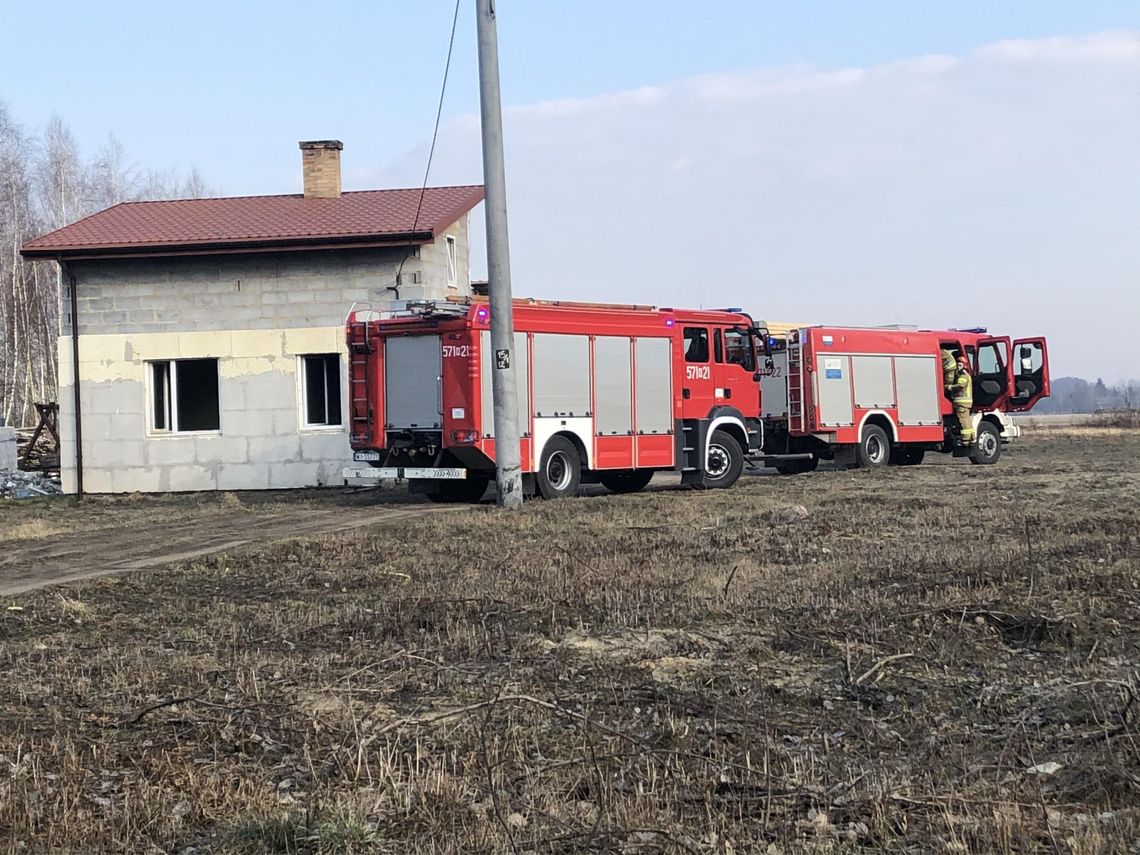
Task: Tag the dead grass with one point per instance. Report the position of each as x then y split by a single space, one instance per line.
933 659
1125 419
38 519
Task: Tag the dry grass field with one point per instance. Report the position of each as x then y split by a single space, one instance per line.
933 659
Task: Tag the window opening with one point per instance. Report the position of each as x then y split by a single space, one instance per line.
452 265
184 396
320 390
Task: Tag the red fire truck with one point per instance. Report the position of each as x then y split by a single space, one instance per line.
606 393
875 396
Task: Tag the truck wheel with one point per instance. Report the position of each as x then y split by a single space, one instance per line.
874 449
561 469
724 462
467 491
907 456
626 480
987 447
797 467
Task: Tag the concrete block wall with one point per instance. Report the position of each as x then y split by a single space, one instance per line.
261 444
433 262
254 313
256 292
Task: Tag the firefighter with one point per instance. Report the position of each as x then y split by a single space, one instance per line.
949 367
961 392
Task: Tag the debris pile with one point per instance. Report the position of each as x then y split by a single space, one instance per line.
15 484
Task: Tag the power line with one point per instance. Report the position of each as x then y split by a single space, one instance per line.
434 136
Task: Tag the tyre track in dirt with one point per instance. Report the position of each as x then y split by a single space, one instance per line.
31 564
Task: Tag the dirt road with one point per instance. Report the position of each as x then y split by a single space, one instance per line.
136 542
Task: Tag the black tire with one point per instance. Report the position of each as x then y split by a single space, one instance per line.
797 467
724 462
874 449
905 455
561 469
625 480
987 445
468 491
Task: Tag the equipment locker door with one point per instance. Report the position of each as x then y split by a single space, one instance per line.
412 382
1030 374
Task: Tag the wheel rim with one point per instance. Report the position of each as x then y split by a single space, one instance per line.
718 462
558 472
875 449
987 444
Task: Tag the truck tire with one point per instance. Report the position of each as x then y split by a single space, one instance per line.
625 480
987 445
905 455
874 449
468 491
797 467
723 463
561 469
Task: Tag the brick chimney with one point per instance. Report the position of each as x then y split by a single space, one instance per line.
320 165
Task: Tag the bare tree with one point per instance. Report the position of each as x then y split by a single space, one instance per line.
22 346
45 183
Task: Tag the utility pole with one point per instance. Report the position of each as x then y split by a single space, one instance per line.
508 473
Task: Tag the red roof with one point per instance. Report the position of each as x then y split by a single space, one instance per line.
244 223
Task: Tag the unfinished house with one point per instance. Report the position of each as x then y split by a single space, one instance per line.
202 341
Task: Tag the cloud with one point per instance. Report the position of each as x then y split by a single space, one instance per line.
1000 188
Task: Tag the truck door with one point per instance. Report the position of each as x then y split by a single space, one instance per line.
697 387
992 377
1030 374
735 358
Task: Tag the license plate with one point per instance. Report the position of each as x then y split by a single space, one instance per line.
366 455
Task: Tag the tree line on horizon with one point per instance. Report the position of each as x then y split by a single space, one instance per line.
46 182
1074 395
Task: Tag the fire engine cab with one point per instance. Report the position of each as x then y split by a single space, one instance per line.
606 393
873 396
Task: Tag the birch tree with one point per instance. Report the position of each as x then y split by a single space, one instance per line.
45 184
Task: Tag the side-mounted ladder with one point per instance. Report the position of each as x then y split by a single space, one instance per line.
360 347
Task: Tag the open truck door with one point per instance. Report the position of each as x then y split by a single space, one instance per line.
1030 374
993 379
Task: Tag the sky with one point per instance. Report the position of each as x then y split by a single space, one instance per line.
887 161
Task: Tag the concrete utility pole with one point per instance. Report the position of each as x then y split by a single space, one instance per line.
508 472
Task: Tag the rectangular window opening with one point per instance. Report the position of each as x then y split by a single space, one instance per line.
184 396
452 264
160 385
320 390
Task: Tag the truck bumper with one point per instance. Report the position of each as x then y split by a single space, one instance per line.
381 473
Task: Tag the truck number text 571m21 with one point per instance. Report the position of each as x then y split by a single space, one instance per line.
458 350
697 372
